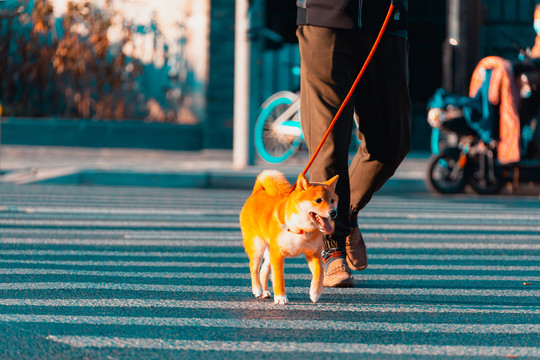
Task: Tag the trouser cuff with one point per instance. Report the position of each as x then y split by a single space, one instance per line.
353 219
331 244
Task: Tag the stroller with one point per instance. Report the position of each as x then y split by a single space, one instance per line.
465 136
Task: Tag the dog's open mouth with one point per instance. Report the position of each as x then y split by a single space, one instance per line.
322 223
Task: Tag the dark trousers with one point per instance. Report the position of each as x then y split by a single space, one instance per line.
330 62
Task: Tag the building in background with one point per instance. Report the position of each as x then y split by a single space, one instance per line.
175 58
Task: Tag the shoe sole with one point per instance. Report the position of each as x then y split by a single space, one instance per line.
342 284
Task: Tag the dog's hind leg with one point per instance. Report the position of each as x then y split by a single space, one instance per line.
265 272
316 267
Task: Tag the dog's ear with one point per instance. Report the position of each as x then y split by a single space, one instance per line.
302 183
332 182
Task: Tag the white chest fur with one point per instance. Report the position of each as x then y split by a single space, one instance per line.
295 244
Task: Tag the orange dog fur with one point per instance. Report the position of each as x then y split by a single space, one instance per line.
277 223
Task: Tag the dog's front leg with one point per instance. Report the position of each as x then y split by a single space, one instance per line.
316 266
277 262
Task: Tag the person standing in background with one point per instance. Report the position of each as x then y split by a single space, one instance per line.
535 51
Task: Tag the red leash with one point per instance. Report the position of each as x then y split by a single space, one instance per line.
351 91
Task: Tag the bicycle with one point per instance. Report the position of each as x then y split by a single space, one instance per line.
278 134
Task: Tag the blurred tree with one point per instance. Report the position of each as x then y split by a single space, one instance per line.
25 73
69 66
95 82
77 74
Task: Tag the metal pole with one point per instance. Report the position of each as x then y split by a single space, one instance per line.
461 50
241 85
451 44
1 109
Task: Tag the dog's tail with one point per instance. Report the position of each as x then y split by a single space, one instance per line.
273 182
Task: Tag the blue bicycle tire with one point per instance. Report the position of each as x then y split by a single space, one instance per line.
263 117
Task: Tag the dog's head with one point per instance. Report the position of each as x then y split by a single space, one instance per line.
316 203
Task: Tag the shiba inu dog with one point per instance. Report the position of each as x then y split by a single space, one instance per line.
278 221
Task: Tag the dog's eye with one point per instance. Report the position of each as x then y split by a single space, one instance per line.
333 201
318 201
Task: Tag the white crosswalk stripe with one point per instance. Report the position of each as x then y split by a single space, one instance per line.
241 255
118 272
285 347
250 305
276 324
212 275
204 264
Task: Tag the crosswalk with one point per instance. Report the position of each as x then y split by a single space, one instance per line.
150 273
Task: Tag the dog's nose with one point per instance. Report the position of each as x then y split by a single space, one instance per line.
333 214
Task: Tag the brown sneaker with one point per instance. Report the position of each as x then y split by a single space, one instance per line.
356 250
336 271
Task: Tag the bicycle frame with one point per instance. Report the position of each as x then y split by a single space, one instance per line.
284 123
283 131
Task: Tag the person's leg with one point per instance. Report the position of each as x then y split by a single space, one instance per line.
326 69
325 74
383 106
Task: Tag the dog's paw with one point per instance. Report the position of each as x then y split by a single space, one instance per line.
314 297
281 300
257 292
315 292
266 294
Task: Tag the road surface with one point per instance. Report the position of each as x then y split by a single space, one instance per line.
153 273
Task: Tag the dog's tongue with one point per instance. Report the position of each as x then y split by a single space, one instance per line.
325 224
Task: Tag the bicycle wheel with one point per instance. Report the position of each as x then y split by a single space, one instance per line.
272 144
443 173
486 178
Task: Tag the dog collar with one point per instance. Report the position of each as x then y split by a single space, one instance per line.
289 230
285 227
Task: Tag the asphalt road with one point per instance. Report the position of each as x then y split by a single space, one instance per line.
154 273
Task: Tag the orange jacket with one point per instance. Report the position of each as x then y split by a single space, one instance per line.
535 51
502 92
